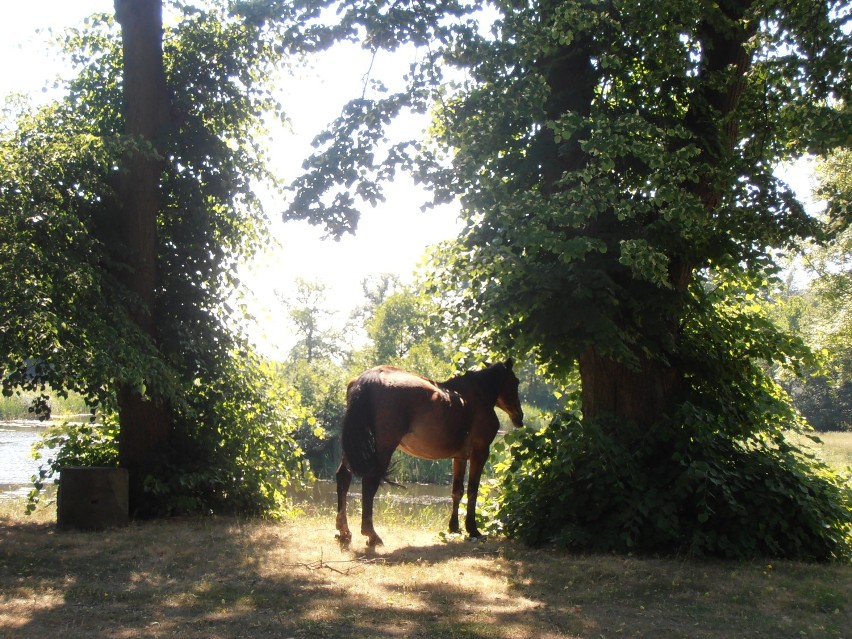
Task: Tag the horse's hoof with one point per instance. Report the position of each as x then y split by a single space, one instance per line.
374 540
343 538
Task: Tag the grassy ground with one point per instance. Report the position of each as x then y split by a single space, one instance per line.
834 448
211 578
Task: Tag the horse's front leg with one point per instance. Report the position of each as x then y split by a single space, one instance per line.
477 463
369 486
459 467
344 479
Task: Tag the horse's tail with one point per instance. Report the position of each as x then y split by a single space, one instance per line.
358 436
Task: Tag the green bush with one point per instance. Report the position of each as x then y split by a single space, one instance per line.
232 449
679 487
321 389
73 444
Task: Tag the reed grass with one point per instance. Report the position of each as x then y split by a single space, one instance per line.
17 407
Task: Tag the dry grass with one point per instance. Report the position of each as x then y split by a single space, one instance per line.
210 578
834 447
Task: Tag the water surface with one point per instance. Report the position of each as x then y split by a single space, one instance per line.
17 465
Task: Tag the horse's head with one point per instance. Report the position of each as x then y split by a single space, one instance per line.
508 399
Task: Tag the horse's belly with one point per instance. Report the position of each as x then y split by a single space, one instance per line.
432 443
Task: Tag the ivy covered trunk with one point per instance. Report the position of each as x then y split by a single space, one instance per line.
144 421
641 394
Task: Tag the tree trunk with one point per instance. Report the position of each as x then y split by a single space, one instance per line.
144 421
640 395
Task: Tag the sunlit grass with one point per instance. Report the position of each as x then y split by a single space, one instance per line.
834 447
14 509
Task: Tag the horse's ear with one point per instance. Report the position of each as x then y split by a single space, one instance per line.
509 363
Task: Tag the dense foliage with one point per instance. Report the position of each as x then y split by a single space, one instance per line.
64 313
615 167
705 481
321 393
676 487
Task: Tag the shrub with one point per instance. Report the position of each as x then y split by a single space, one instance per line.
232 449
679 487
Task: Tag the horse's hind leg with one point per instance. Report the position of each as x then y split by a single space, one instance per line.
369 486
344 479
459 467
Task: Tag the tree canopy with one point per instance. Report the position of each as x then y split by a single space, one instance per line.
614 161
612 150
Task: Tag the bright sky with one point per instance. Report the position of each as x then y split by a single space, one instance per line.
391 238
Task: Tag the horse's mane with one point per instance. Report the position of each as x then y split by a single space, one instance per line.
489 379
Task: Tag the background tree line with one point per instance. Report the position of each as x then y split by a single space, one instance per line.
396 325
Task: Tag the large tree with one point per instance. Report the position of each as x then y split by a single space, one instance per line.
607 155
614 161
126 207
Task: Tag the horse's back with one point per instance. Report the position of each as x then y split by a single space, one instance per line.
397 390
379 406
393 377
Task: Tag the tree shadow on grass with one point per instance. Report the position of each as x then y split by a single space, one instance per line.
210 578
552 593
226 578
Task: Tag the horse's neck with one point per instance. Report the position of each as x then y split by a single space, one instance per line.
481 383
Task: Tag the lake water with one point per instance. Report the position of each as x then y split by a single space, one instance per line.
17 465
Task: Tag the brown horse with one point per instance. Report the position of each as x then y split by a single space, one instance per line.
388 408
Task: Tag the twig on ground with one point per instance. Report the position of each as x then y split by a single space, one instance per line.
321 563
